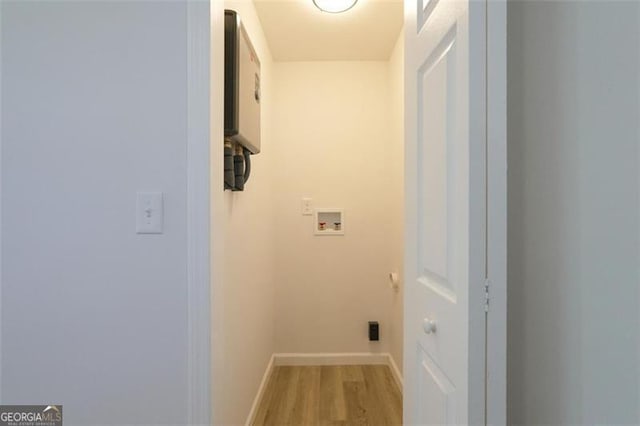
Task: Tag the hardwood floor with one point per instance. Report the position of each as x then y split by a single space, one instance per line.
330 395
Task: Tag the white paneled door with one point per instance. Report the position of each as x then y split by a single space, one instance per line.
449 197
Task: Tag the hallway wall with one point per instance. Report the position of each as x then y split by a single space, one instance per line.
94 109
243 254
332 132
574 230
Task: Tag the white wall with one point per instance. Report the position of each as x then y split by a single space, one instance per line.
574 94
94 108
243 233
333 138
396 157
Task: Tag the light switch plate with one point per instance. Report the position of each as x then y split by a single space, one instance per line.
149 213
307 207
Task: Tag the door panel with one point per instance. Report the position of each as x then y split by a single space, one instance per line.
436 169
439 408
446 208
425 7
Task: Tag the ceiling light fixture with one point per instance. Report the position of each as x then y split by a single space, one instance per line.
334 6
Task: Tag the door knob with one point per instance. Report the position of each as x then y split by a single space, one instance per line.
429 326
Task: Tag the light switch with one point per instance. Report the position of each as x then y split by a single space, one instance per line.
307 207
149 213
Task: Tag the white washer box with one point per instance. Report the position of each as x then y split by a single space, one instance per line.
333 220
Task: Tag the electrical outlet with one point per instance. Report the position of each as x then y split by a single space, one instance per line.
374 331
307 207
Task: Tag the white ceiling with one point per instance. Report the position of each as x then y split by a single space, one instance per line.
297 31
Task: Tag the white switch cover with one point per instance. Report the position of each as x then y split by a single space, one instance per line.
149 213
307 207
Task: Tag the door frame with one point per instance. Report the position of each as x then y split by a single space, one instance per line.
496 318
199 197
198 24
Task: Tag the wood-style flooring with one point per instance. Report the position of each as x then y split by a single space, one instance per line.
330 395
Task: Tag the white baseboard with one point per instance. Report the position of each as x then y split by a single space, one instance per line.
263 384
355 358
